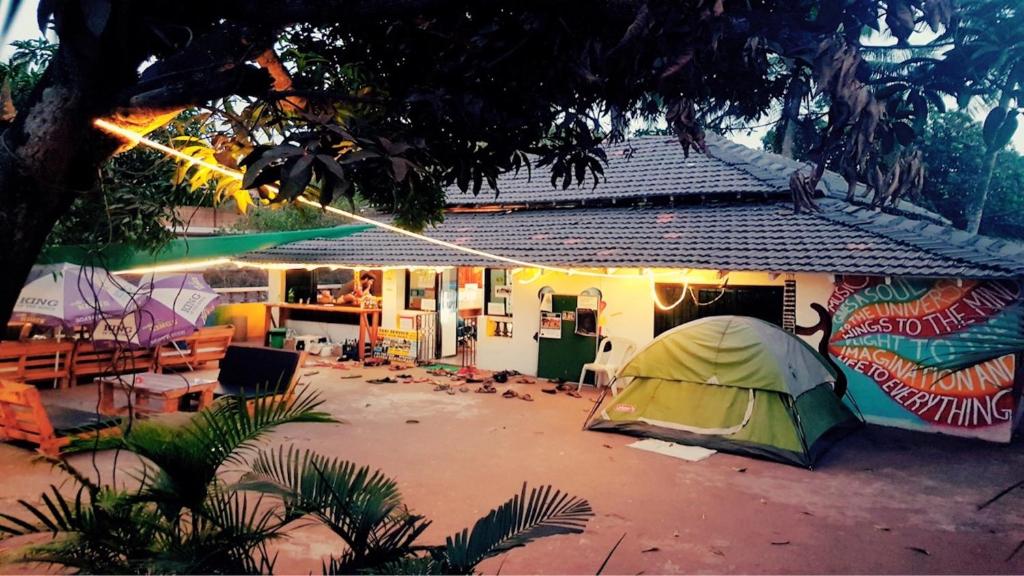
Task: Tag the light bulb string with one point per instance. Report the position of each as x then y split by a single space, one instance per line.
230 173
657 300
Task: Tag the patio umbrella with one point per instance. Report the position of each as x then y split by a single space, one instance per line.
67 295
174 306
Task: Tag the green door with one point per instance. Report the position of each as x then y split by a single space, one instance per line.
564 357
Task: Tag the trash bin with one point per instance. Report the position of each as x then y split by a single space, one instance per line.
275 337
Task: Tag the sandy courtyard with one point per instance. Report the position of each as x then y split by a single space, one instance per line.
882 501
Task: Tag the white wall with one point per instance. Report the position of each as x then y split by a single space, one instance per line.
629 311
392 298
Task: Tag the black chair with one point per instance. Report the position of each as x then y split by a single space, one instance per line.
254 372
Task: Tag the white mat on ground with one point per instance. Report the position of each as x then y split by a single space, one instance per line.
690 453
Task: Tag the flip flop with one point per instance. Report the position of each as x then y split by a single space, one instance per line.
350 376
463 388
527 397
549 391
441 387
451 392
574 394
563 387
383 381
509 394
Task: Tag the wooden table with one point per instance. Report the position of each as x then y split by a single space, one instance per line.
369 319
154 392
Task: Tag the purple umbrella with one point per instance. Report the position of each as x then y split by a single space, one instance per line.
71 295
175 305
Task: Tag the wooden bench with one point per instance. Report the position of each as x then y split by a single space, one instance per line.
89 360
36 361
18 331
256 372
205 345
23 417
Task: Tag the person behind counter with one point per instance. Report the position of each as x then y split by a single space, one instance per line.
351 293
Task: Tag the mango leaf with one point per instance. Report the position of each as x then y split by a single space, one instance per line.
297 177
1006 131
400 167
97 14
992 123
904 133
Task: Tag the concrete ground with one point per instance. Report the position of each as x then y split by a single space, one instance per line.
882 501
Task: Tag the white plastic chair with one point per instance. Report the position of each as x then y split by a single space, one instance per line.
611 355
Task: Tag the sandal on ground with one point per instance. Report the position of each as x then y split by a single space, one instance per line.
574 394
549 391
451 391
383 381
563 387
463 388
441 387
527 397
509 394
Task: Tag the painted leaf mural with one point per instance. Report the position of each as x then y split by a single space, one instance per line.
937 355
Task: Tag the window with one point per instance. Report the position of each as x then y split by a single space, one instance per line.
498 286
421 290
763 302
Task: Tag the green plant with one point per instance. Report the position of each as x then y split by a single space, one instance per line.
365 510
182 518
185 519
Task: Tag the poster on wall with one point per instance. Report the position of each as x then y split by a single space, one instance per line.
933 355
550 325
586 322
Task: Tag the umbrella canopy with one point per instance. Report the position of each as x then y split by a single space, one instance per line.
175 306
73 295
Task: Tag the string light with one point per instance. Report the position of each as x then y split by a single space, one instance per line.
540 269
177 267
235 174
657 300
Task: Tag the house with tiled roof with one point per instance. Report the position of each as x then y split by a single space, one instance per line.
923 320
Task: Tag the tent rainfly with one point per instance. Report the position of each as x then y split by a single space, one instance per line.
734 384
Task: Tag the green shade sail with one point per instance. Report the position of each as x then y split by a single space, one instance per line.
117 257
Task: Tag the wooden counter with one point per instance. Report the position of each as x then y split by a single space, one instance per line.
369 319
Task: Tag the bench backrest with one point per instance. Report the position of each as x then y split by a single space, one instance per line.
22 415
36 361
204 345
88 360
250 367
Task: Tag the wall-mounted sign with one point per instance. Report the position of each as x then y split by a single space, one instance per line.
550 325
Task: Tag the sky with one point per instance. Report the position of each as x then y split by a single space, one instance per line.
25 28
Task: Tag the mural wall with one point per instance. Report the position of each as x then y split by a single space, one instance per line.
932 355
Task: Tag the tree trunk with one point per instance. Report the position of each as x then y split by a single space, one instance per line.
785 136
48 156
976 208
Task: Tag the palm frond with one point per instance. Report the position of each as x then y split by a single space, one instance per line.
188 457
230 428
363 507
56 515
515 523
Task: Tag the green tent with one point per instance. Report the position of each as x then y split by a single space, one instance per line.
734 384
